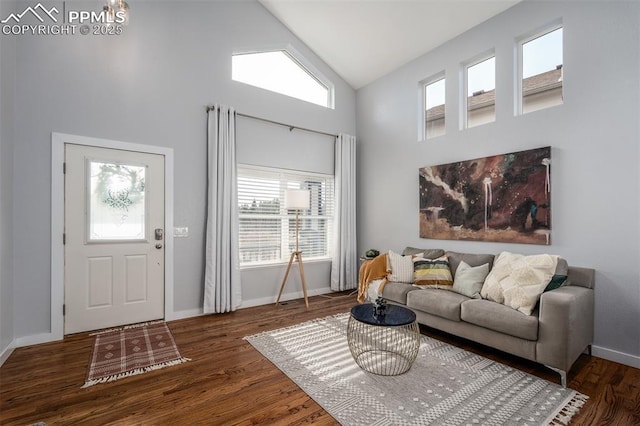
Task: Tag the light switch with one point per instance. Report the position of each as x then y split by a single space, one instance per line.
180 232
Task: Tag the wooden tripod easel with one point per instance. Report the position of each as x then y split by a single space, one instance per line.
297 255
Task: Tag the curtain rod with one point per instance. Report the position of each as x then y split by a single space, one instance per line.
291 127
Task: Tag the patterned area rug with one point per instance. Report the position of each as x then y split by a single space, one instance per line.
131 350
445 386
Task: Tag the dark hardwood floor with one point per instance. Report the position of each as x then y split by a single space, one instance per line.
228 382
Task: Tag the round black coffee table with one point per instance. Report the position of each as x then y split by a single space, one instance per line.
385 345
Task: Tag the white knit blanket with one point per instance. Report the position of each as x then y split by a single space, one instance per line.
373 291
518 281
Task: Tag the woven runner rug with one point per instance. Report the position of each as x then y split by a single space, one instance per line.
445 386
131 350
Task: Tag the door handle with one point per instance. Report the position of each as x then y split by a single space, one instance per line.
158 246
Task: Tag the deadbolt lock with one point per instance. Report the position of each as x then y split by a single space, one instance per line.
159 234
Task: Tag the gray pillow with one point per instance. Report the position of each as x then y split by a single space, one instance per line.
469 279
428 253
470 259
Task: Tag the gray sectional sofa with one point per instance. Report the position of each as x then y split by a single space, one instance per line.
555 334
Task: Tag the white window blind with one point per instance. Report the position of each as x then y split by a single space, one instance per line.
267 230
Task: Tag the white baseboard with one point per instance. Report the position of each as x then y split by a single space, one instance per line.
616 356
287 296
6 353
190 313
187 313
35 339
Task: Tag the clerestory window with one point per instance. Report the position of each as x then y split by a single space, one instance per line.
541 77
434 101
480 99
279 71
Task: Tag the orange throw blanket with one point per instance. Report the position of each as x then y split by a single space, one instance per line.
371 270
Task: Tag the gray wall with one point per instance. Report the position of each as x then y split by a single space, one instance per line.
150 85
7 80
594 138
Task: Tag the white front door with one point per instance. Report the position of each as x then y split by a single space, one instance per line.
114 237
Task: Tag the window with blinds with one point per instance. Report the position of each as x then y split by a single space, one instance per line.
267 230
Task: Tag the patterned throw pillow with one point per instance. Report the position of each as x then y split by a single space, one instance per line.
400 268
432 273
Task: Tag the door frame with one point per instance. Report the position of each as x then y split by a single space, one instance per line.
58 141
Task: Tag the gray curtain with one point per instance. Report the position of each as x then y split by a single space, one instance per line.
222 291
344 265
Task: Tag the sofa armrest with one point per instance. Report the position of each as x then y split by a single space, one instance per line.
583 277
565 326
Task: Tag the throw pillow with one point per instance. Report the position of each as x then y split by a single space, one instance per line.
518 281
432 273
400 268
557 281
469 279
471 259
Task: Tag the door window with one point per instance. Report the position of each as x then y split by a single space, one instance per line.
116 201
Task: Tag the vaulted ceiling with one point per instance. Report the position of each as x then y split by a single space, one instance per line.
362 40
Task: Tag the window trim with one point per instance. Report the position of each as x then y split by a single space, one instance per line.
519 65
464 86
329 219
299 59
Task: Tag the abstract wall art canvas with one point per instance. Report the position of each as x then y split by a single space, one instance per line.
503 198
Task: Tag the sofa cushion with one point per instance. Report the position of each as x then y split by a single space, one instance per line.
500 318
470 259
426 253
397 292
432 273
445 304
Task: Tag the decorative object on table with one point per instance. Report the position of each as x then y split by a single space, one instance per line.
441 375
504 198
296 199
131 350
379 308
371 253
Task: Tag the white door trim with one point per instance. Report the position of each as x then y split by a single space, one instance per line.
58 140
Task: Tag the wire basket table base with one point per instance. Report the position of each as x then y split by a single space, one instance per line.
383 350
